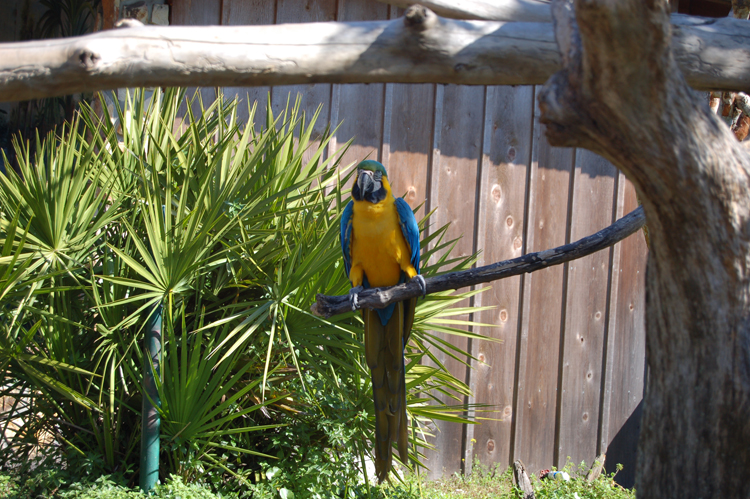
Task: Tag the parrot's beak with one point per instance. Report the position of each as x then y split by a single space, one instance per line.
365 182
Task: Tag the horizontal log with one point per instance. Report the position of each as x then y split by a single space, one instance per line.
327 306
419 48
530 11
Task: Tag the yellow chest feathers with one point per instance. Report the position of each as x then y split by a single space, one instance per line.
377 242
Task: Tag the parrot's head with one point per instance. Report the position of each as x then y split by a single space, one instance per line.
371 183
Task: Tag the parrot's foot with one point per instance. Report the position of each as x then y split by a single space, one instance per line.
422 284
354 296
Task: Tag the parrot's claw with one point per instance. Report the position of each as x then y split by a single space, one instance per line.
422 284
354 297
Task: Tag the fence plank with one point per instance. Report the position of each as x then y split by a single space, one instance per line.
294 11
614 288
534 439
407 140
506 159
358 108
197 13
626 350
458 137
408 122
586 311
248 12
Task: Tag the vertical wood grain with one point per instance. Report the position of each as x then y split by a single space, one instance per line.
539 349
406 152
110 13
626 350
586 312
197 13
453 193
358 108
248 12
502 196
614 287
408 122
314 95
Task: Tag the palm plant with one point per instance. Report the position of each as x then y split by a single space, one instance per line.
232 233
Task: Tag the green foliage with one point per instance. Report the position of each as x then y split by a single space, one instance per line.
232 231
48 484
278 482
67 17
493 483
313 456
602 487
482 483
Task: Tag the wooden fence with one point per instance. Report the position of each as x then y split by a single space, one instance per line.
569 375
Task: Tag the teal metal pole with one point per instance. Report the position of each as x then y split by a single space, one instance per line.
150 421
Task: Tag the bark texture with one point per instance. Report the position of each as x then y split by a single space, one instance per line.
419 48
621 94
535 11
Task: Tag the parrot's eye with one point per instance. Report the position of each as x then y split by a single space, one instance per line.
376 176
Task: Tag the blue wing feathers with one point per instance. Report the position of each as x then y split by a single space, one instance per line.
410 229
346 236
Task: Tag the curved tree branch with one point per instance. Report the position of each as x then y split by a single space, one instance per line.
327 306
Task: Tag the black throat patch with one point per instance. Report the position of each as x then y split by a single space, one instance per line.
373 196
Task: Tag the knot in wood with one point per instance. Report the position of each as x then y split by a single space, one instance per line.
87 59
419 18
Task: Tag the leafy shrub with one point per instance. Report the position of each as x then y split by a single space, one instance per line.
603 487
483 483
494 483
228 234
41 487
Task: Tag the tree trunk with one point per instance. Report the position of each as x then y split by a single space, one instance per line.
622 95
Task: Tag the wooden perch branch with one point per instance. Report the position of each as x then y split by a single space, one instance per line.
327 306
419 48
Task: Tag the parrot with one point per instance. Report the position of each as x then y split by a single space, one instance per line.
380 243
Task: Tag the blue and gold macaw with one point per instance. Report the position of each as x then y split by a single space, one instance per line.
380 242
